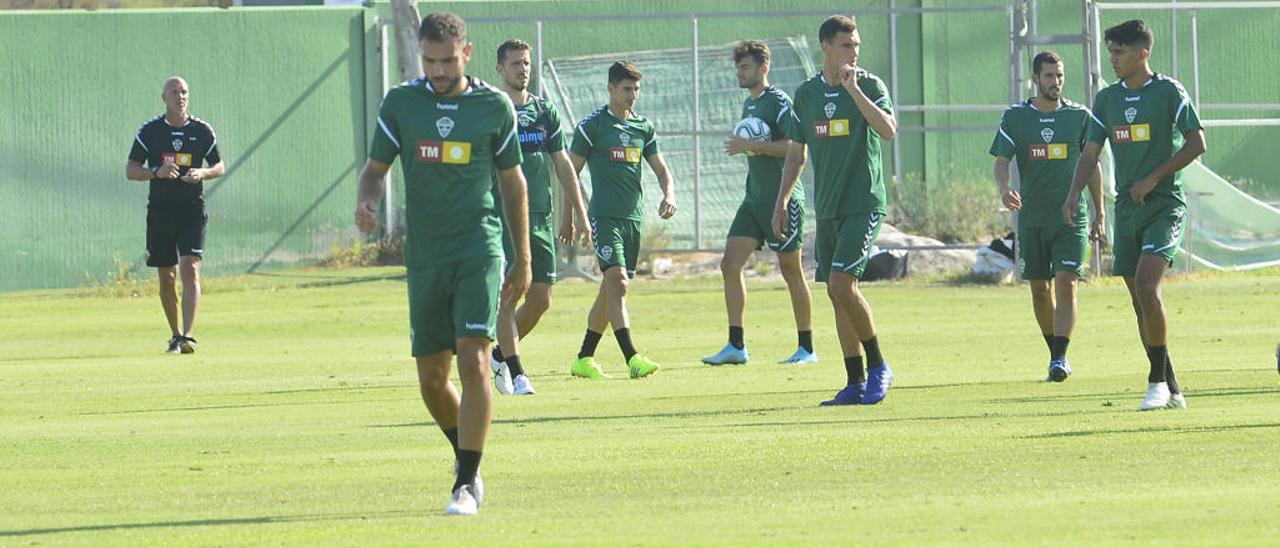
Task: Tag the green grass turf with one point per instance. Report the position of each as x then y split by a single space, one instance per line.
298 422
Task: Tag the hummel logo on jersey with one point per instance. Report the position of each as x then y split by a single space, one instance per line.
177 145
177 158
830 128
829 109
1056 151
1046 120
470 325
1133 99
1131 134
751 107
176 133
444 152
1129 114
444 125
446 106
1046 134
831 94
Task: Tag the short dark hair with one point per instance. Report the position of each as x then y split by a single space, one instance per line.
1042 58
834 25
1133 32
755 49
514 44
439 26
624 70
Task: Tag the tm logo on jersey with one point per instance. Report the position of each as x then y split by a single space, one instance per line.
830 128
1136 133
444 152
1052 151
177 158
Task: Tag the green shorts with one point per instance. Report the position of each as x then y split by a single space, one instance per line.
844 244
542 247
755 221
1136 235
1043 251
617 243
451 301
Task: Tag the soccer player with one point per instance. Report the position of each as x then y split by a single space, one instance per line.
450 132
840 115
1154 132
1045 134
611 142
168 151
767 107
542 146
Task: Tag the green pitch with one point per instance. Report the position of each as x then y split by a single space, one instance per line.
298 422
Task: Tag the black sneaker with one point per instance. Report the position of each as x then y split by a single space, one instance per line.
175 345
188 345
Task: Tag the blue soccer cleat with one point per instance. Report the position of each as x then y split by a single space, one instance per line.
801 356
1059 370
879 379
849 395
727 355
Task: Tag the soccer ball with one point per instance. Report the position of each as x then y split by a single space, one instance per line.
753 129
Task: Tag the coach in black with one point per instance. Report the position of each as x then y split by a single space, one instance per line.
168 151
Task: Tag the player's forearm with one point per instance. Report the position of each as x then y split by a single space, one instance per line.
371 185
1001 173
791 170
135 171
515 205
1192 148
568 182
1095 190
777 149
213 172
1085 166
882 122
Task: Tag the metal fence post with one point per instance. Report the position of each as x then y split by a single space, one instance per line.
697 140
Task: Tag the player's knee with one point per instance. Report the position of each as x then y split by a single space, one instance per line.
432 379
840 288
167 276
537 303
729 268
1147 291
616 280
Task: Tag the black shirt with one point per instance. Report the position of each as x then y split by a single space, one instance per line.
189 146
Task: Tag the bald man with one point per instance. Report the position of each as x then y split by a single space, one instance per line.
169 151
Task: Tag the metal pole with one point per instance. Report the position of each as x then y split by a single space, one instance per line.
388 202
1173 38
1195 55
893 90
537 41
697 141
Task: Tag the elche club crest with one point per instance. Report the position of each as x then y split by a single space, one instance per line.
606 252
177 145
829 109
1046 134
624 138
444 126
1130 113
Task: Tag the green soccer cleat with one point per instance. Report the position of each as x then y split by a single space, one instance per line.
641 367
587 368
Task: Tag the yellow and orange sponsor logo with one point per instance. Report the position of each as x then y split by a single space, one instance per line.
630 155
1051 151
181 159
831 128
1136 133
443 152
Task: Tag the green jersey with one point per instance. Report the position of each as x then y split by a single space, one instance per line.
538 130
847 175
764 173
613 149
1145 127
1046 146
448 149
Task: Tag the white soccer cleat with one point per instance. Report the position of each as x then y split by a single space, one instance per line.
463 503
1176 401
477 485
501 377
522 386
1157 397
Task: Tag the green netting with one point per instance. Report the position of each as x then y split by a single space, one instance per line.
578 86
1229 230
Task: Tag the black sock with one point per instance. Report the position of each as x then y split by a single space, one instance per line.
1058 351
623 337
1168 375
1048 341
853 370
1157 356
452 434
735 337
497 353
468 465
806 340
589 344
513 364
872 348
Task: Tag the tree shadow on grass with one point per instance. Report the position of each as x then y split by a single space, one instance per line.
258 520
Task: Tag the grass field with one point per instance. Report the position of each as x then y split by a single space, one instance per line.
298 422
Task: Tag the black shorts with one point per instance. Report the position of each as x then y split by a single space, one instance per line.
174 231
